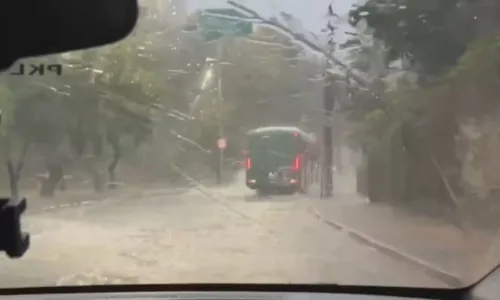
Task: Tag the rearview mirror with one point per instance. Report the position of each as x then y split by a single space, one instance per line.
42 27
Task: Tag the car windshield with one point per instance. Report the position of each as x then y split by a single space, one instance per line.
137 165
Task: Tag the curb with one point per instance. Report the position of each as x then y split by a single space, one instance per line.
77 200
56 204
449 279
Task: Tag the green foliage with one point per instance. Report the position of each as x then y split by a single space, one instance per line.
429 35
452 48
110 94
113 100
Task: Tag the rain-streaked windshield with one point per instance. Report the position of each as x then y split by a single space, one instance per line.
138 165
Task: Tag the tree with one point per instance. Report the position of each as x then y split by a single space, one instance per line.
107 105
270 84
126 90
10 141
110 95
430 36
449 45
33 118
392 115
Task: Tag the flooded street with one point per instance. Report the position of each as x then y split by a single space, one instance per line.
192 236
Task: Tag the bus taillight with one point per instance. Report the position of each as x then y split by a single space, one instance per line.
297 163
248 163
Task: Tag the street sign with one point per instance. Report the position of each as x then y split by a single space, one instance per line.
221 143
217 23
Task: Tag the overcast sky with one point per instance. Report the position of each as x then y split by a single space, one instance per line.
312 13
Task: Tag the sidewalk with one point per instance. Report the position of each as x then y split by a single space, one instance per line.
38 204
76 197
431 241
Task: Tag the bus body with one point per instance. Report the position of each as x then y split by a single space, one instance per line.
281 159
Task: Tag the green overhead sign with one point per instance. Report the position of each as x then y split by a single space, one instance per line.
218 23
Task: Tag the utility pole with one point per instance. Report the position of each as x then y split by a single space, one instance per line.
328 105
220 55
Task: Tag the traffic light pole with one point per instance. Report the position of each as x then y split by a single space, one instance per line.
220 164
328 105
220 54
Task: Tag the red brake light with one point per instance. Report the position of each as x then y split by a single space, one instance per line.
248 163
297 163
295 134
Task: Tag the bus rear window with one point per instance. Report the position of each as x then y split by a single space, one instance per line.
284 143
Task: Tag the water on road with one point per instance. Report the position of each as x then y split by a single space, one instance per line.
212 235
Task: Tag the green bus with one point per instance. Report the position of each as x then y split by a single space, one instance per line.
281 159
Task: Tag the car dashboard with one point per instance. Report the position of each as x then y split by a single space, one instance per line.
203 296
486 289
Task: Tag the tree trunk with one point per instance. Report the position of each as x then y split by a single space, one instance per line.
375 178
99 181
112 166
14 171
62 184
46 189
99 177
13 179
49 184
112 169
361 186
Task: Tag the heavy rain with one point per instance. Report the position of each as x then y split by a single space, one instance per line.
262 141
